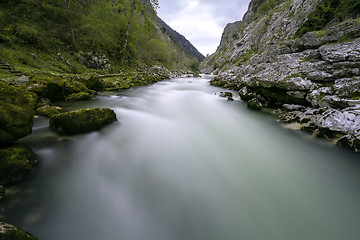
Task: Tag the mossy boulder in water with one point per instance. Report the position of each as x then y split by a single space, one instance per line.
81 96
16 113
10 232
48 111
16 162
82 121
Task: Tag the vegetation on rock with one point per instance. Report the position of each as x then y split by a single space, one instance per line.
74 36
16 163
82 121
9 232
16 112
328 10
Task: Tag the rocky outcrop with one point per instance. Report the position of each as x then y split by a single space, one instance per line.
82 121
93 60
16 163
10 232
230 33
16 113
314 79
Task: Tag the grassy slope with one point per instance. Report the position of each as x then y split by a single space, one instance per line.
47 35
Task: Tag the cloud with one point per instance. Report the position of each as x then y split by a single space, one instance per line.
202 21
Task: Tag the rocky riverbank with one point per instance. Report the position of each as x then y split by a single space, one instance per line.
312 80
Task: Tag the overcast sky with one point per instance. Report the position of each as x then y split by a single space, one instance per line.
202 21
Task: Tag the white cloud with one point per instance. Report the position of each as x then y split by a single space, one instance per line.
202 21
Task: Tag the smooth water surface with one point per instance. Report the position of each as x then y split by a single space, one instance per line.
185 164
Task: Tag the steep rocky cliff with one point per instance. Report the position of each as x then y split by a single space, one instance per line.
301 57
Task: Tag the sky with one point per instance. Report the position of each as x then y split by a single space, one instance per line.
202 21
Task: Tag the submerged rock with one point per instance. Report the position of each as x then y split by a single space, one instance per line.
10 232
16 162
82 121
16 113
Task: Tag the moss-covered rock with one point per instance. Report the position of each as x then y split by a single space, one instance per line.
54 87
16 113
2 192
254 104
82 121
16 162
81 96
10 232
94 82
48 86
48 111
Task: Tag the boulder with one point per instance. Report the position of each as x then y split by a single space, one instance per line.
21 80
10 232
16 162
254 104
227 95
48 111
350 141
82 121
81 96
48 86
16 113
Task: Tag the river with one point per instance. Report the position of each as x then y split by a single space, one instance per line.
185 164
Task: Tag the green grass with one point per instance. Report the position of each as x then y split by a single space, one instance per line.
326 11
32 33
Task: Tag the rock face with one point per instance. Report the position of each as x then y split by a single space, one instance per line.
16 113
16 163
10 232
268 57
82 121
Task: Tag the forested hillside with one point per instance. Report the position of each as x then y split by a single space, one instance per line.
60 35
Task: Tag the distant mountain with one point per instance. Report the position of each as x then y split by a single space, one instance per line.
181 40
177 37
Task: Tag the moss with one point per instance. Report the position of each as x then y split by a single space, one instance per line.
218 82
93 82
78 96
17 162
321 33
244 58
349 37
302 60
82 121
16 235
48 86
10 232
16 112
48 111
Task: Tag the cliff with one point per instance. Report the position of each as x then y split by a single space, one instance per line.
300 57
